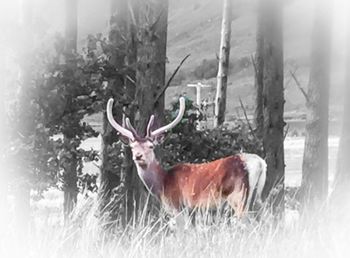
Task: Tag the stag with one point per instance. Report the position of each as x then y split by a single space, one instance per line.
232 179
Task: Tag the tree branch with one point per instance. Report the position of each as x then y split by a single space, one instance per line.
286 132
246 118
171 78
254 65
299 86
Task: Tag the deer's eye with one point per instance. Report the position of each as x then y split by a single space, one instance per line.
151 146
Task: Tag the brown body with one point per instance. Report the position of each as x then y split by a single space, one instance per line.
206 185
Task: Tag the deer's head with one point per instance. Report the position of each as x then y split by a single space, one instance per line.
143 147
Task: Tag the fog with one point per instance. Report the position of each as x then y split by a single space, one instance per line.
194 28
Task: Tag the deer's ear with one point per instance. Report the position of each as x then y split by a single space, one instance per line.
159 139
124 140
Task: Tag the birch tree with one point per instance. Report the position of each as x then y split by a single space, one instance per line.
221 87
258 71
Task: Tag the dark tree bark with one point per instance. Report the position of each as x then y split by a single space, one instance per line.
151 60
259 75
71 26
70 171
111 178
224 58
314 186
273 100
129 177
118 180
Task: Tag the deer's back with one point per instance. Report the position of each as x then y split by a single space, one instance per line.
205 184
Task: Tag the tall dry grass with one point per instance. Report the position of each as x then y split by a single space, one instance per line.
214 235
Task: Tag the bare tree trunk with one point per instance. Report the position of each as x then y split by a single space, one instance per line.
132 182
119 180
111 177
341 194
22 208
71 26
151 60
70 179
273 98
4 139
70 48
259 73
25 127
314 186
224 58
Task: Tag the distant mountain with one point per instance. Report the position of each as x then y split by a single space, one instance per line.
194 28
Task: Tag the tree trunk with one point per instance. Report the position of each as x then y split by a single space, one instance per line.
70 178
22 208
273 99
69 202
4 139
314 186
118 180
71 26
132 182
25 126
224 58
341 194
259 75
151 60
110 177
70 172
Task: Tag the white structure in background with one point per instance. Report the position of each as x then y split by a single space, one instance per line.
198 87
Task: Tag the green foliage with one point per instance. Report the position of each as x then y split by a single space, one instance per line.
68 91
56 92
32 159
187 144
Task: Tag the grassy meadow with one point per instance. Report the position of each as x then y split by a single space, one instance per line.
319 235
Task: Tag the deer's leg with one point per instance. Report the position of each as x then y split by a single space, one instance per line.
237 200
176 219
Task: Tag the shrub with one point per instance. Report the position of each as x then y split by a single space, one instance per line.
187 144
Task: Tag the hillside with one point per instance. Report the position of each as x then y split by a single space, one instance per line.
194 28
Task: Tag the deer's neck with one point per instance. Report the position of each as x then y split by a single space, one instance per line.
152 177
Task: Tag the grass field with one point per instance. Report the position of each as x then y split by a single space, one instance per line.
322 235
